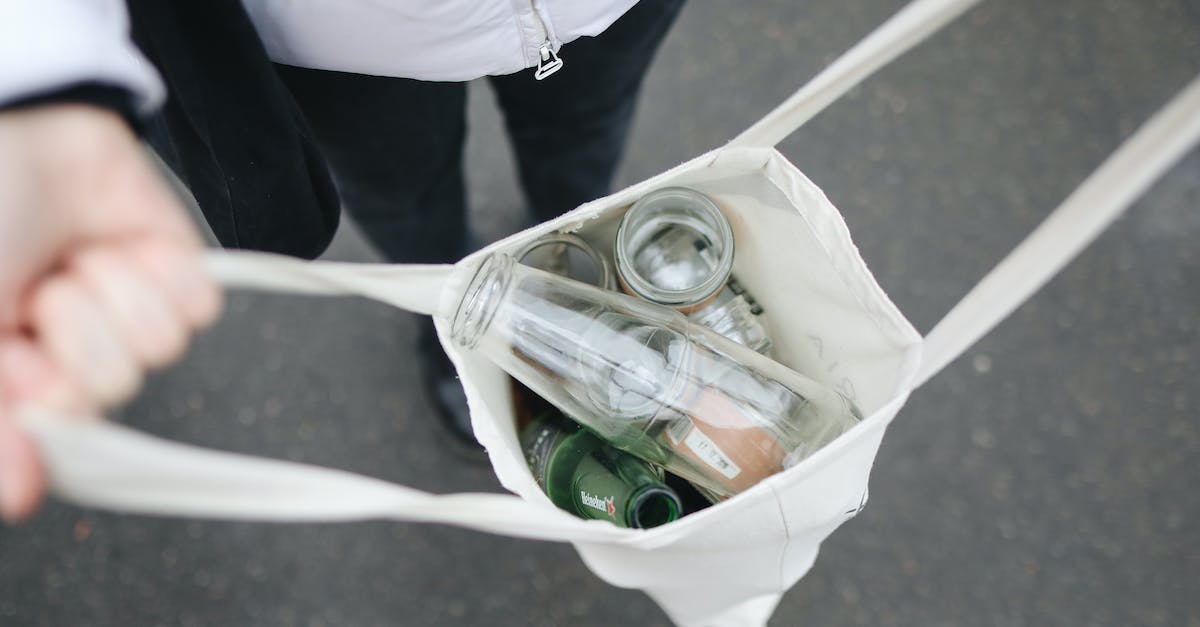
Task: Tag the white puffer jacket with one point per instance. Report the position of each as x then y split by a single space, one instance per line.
47 44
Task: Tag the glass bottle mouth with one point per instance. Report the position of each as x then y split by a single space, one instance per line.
704 236
652 507
481 300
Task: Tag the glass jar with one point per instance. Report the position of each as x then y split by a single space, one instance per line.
560 253
675 247
646 380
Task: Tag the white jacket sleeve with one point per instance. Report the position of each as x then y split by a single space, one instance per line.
49 44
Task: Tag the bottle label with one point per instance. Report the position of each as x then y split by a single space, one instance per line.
539 441
686 433
721 437
602 504
679 429
736 288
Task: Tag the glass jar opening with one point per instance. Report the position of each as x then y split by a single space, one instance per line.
674 247
568 255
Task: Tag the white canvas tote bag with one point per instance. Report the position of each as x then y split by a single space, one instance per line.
731 563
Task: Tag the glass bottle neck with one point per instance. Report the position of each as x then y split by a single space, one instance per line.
481 300
616 486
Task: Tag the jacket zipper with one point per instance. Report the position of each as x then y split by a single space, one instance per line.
548 60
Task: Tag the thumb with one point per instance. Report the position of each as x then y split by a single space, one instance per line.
24 375
21 478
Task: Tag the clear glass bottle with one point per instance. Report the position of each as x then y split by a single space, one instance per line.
675 247
646 380
589 478
568 255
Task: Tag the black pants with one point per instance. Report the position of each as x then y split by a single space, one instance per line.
272 152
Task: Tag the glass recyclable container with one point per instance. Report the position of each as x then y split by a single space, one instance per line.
675 247
567 254
591 479
646 380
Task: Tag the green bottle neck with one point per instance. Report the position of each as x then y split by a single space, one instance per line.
583 475
611 485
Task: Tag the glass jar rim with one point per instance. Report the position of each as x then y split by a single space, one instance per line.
603 268
650 206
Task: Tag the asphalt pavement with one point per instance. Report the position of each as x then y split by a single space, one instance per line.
1048 477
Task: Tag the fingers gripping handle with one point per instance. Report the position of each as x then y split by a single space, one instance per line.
96 463
100 464
413 287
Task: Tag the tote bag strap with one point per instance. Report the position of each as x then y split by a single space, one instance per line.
1140 160
96 463
1070 228
913 24
413 287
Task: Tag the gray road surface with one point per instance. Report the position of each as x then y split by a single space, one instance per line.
1047 478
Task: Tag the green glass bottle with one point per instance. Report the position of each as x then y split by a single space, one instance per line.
583 475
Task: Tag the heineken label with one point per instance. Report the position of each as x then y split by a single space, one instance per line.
602 504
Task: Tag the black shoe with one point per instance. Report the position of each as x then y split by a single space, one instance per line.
446 391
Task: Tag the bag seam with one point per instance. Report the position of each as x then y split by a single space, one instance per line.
787 538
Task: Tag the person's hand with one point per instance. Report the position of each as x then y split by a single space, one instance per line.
100 276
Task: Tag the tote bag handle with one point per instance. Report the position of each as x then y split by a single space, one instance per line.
98 463
413 287
1103 196
1098 201
913 24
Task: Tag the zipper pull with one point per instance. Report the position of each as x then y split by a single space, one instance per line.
549 62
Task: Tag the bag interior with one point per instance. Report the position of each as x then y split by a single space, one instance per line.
828 318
